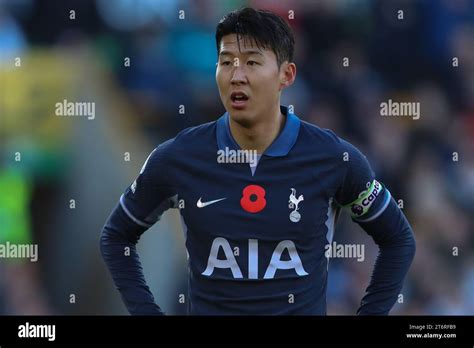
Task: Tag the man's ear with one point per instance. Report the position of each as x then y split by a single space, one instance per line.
287 74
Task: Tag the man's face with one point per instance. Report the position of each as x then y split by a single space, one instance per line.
249 80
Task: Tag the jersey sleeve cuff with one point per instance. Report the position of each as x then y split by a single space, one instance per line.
130 215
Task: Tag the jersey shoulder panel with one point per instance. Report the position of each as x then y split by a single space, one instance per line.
323 141
194 136
181 146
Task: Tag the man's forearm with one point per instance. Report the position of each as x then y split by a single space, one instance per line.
120 233
392 232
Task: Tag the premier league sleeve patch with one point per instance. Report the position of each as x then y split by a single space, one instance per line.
361 206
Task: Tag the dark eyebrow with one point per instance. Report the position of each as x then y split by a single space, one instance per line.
246 52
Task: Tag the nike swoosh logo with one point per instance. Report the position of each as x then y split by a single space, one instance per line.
200 204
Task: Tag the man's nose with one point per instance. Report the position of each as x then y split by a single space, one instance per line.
238 76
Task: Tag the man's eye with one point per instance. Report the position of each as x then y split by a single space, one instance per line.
225 63
252 62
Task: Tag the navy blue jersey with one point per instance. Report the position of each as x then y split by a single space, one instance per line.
256 241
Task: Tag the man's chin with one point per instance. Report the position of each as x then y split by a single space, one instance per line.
242 117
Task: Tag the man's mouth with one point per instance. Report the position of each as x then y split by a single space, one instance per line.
239 100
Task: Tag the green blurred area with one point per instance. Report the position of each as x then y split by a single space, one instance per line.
34 140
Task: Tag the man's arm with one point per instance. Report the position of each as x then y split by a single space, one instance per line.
394 236
118 247
141 206
372 207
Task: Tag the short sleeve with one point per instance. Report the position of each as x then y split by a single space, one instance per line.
360 193
152 193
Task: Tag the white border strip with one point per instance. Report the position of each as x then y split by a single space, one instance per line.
133 218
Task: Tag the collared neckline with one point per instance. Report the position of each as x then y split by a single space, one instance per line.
281 146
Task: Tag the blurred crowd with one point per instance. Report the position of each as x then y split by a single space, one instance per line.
425 54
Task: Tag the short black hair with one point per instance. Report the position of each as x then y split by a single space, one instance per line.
265 27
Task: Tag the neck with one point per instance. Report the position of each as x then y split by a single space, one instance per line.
260 135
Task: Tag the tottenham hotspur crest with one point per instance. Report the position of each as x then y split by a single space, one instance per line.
293 204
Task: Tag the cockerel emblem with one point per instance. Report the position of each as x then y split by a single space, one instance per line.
293 204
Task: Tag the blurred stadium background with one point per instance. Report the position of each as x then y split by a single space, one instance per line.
172 63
